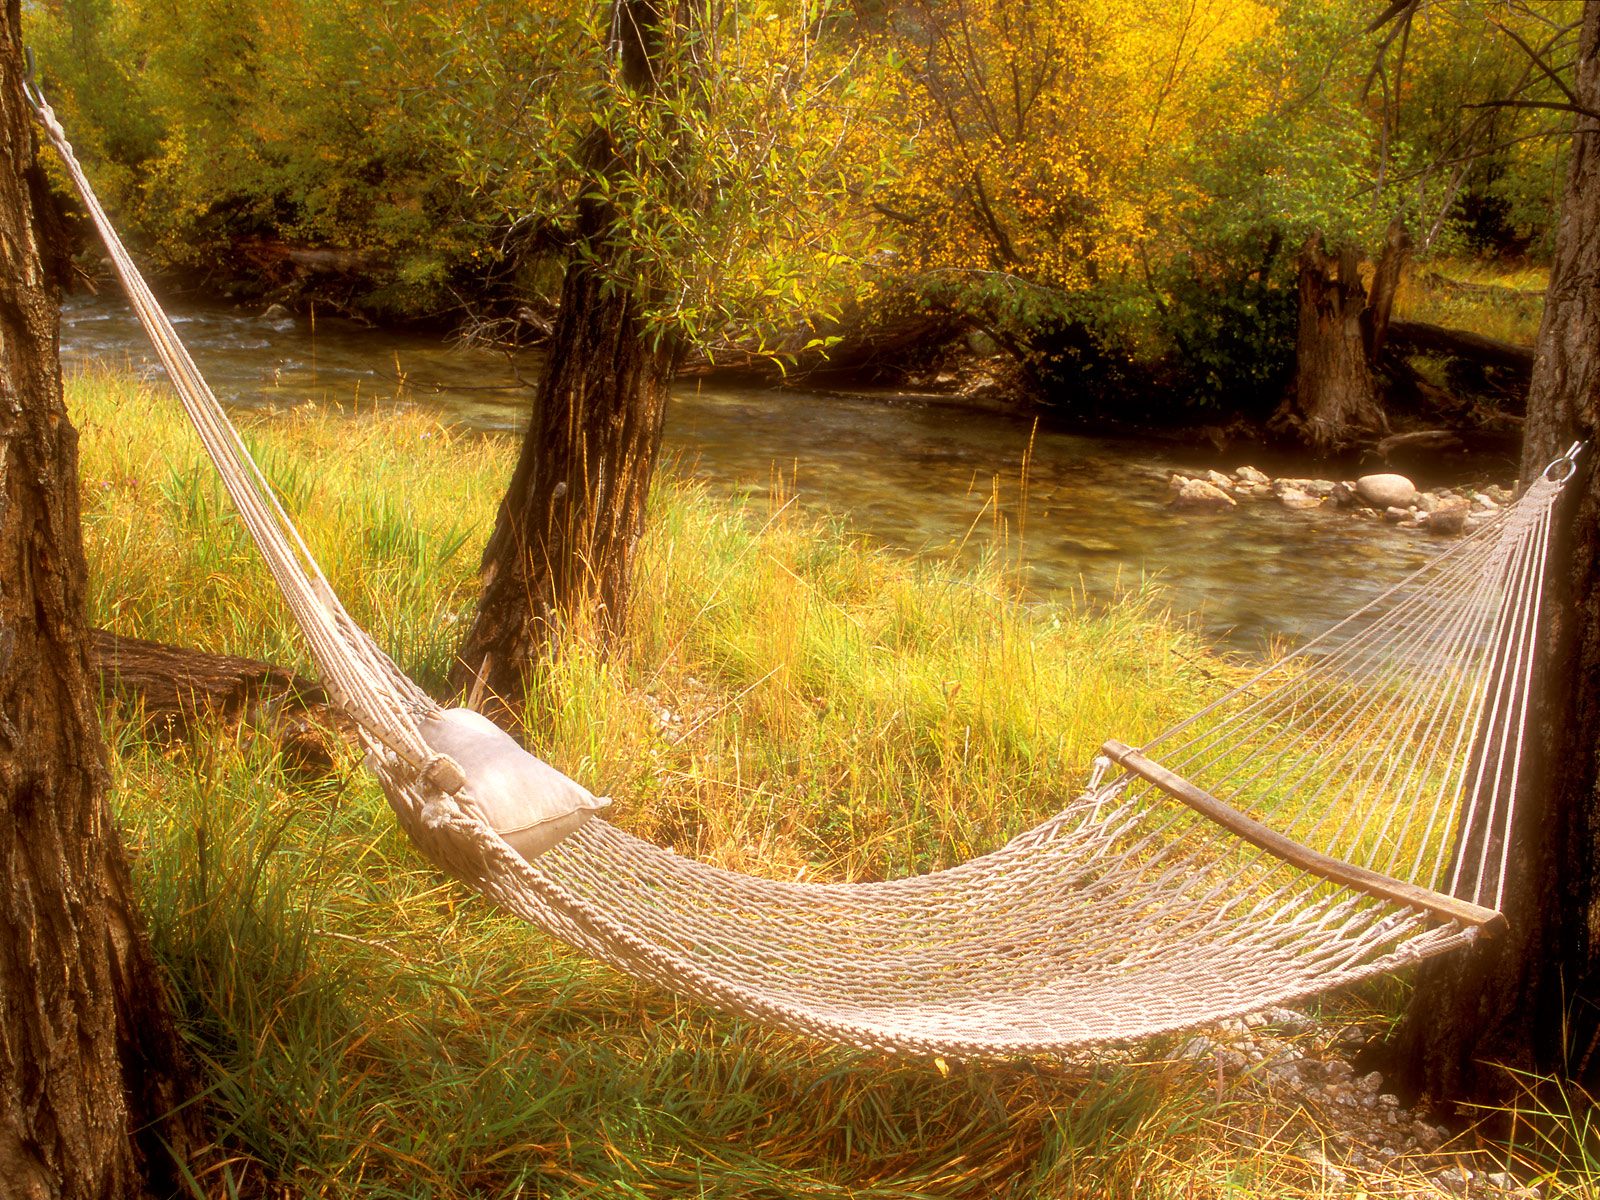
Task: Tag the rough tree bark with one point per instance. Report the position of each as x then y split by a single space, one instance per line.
1341 330
1528 1000
1385 284
90 1075
562 548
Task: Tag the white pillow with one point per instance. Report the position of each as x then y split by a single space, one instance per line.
527 802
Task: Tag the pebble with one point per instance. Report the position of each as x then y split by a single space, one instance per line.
1364 1142
1449 519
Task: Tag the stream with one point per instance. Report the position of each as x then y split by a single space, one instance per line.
916 473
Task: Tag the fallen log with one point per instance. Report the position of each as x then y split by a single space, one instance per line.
1419 337
177 688
1495 291
1435 440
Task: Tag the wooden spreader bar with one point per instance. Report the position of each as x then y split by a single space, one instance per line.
1447 908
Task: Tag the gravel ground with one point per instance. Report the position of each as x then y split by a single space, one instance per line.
1348 1126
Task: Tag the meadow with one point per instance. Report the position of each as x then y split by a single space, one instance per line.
791 701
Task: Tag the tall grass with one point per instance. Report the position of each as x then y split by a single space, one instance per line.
1496 299
791 702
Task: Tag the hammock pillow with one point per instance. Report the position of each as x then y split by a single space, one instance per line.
527 802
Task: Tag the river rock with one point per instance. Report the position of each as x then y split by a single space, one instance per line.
1295 498
1197 493
1251 475
1394 514
1448 518
1342 495
1485 503
1386 491
1311 487
1218 480
1500 495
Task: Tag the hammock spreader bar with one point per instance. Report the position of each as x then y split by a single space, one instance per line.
1336 870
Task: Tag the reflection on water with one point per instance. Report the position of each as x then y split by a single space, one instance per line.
915 474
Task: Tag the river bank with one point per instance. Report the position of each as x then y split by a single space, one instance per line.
1073 515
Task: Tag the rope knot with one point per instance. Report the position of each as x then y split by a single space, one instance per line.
443 774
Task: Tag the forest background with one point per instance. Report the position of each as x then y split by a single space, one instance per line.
1114 196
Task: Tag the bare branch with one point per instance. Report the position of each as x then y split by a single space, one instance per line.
1579 109
1394 10
1539 61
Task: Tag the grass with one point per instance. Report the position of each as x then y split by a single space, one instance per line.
791 702
1489 297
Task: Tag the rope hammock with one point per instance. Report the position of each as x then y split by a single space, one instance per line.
1343 813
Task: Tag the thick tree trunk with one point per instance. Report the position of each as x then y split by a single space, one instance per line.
1528 1000
561 554
90 1082
1335 400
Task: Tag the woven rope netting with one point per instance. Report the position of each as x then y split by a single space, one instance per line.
1391 743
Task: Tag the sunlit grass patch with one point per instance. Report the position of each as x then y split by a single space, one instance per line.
1498 300
792 701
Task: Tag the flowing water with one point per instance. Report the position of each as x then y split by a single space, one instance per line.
1087 516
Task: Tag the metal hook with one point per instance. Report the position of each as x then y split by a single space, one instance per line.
1568 461
30 82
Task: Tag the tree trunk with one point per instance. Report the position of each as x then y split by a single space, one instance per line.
1527 1000
90 1079
1385 285
561 554
1335 400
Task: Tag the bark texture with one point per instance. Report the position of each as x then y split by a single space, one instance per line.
1335 398
1385 285
89 1062
561 554
179 691
1528 1000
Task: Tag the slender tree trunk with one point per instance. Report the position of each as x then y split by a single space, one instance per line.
1385 284
561 554
1335 400
90 1082
1528 1000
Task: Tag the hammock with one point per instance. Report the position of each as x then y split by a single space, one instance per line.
1345 812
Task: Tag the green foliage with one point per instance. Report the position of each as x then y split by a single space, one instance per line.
1107 193
440 147
1232 336
1096 184
1468 170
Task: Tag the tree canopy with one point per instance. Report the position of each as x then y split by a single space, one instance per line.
1113 190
